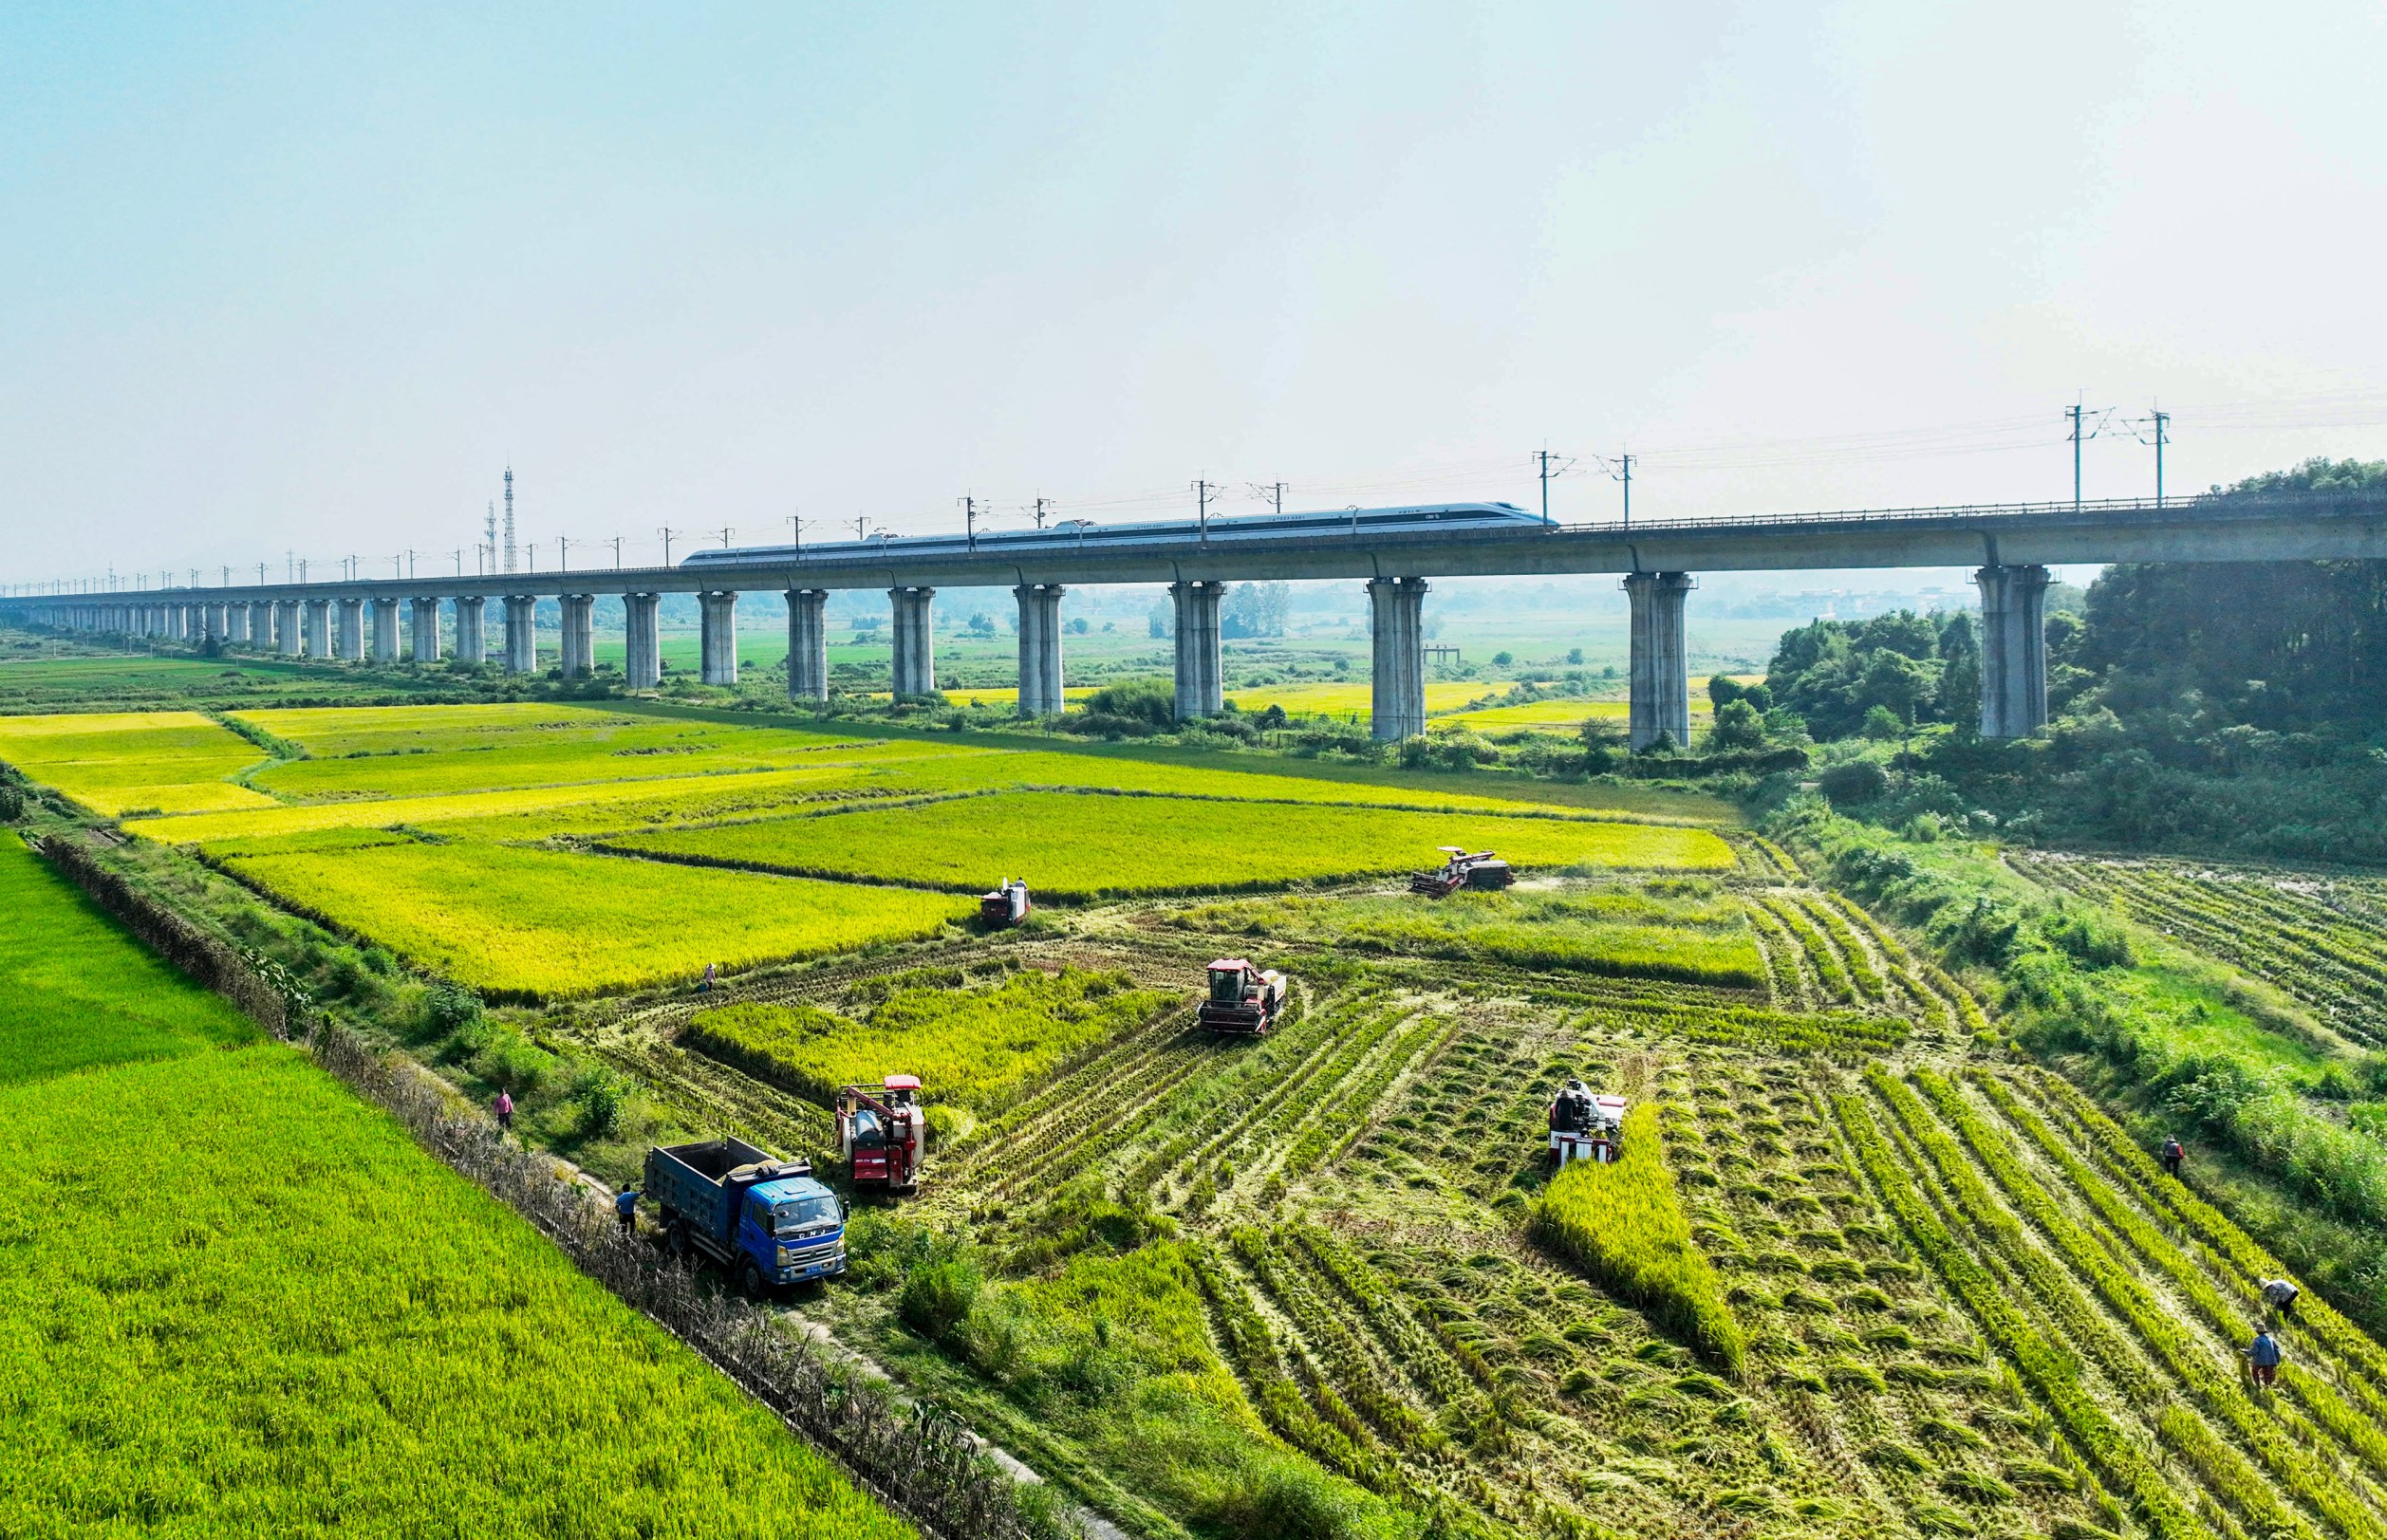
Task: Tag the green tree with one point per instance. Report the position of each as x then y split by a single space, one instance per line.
1737 726
1959 673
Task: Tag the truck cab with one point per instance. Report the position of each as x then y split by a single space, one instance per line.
767 1220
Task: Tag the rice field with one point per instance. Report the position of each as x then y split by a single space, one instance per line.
1699 939
1341 699
1070 845
975 1044
74 992
1547 715
551 923
1859 1275
114 763
2320 939
237 1300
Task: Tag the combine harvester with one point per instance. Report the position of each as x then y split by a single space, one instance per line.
1585 1127
1484 872
1006 906
883 1136
1242 999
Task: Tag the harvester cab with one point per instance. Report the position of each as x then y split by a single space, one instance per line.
883 1136
1585 1127
1241 999
1004 907
1482 871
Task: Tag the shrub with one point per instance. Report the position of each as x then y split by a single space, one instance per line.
1149 701
1737 726
938 1294
1859 781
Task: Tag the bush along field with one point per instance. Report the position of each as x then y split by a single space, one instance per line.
1860 1271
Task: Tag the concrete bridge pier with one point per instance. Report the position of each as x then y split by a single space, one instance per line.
318 627
2013 650
471 649
1039 648
1199 687
1658 693
236 621
643 640
522 638
349 642
1398 699
717 637
386 630
807 644
915 641
210 622
580 633
261 624
423 620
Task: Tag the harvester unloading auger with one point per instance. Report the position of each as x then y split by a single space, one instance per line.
1585 1127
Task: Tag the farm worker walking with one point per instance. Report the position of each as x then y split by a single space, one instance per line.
625 1209
712 971
2281 1296
2172 1155
504 1108
2263 1355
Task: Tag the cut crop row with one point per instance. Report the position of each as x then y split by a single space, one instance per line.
2189 1361
2050 1371
2243 1489
2355 1432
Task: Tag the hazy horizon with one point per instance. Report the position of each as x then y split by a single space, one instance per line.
299 282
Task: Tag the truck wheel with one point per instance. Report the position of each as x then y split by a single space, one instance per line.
676 1239
750 1283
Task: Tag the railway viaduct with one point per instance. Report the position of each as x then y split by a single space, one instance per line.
2011 546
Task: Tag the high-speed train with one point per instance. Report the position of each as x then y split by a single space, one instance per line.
1086 535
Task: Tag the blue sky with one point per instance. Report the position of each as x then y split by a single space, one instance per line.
305 278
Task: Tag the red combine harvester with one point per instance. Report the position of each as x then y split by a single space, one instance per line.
884 1136
1242 999
1482 871
1004 907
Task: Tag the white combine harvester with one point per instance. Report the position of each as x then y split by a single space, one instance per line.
1585 1127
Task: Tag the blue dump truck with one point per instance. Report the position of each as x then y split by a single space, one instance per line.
764 1219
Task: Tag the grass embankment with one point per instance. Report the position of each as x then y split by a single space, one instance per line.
971 1047
236 1300
1070 845
1623 1225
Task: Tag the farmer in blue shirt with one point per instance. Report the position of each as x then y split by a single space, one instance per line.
625 1209
2263 1355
